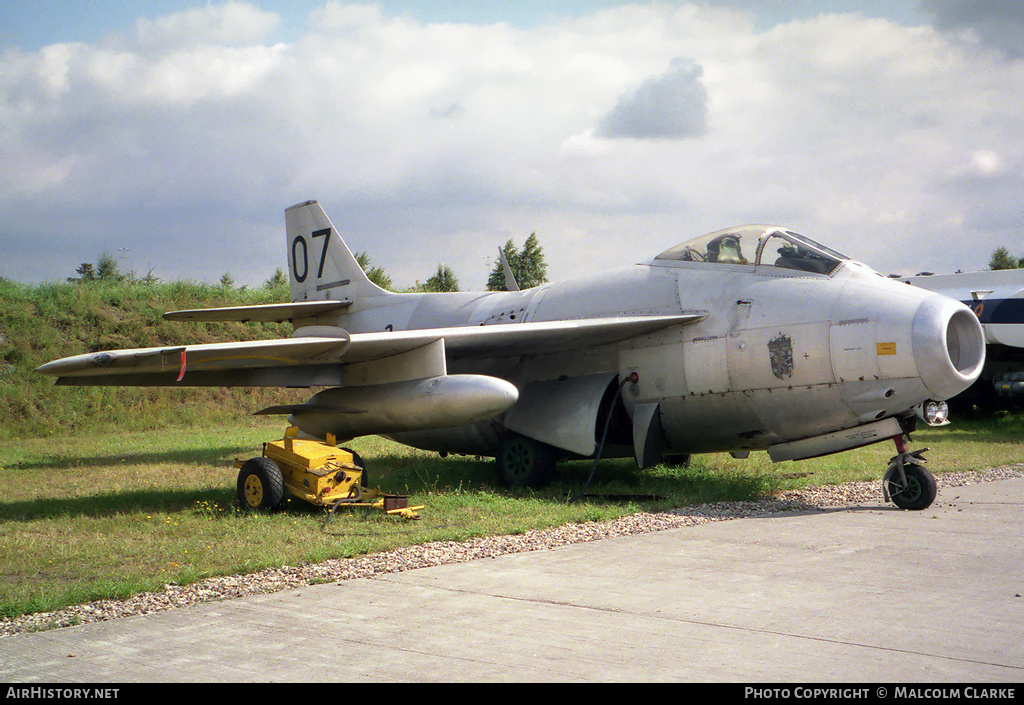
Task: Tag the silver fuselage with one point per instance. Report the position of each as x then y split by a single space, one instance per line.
782 354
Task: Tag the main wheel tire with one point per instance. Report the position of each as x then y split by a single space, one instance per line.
260 484
524 462
920 491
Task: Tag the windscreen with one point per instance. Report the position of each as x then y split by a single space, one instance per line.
757 245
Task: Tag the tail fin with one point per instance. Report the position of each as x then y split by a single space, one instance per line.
320 265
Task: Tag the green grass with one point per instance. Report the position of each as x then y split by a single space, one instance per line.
104 516
108 515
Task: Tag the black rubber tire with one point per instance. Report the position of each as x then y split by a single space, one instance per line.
920 491
524 462
260 484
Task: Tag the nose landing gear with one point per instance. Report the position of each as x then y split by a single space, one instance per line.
907 482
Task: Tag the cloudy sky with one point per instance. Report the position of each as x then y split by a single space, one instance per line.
173 134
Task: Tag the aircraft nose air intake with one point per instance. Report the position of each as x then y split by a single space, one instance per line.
949 346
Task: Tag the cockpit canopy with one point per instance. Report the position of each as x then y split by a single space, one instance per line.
766 245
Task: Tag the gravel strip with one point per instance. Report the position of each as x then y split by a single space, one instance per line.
442 552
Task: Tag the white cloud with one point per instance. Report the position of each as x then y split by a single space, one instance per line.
227 24
193 136
985 162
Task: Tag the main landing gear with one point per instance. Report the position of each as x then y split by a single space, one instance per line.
907 482
525 462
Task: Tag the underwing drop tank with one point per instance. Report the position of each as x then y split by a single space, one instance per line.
434 402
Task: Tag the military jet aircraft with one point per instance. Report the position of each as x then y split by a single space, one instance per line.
745 339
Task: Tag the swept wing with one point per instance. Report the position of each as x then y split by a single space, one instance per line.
315 359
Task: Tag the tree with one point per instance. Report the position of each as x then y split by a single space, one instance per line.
85 273
527 265
375 274
1002 259
444 280
107 268
532 269
277 280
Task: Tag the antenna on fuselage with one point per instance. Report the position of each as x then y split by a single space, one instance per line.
510 280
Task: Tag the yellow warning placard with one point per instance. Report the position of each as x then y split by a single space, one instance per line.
887 348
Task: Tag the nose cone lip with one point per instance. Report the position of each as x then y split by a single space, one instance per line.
949 346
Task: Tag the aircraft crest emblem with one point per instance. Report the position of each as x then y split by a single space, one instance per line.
780 352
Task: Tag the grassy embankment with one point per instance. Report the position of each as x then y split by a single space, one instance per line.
49 321
108 492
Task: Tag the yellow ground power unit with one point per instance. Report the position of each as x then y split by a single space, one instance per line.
316 472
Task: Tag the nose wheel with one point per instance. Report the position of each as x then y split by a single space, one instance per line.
906 481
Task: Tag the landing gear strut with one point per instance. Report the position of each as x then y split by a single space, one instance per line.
907 482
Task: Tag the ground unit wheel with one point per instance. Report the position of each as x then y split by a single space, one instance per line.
260 484
919 492
524 462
